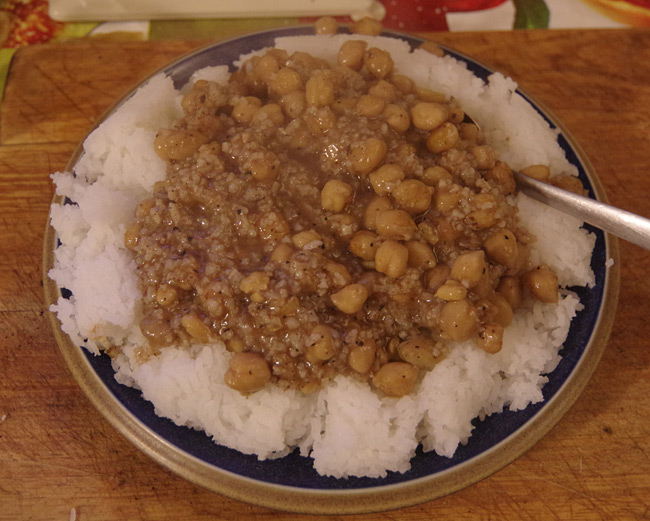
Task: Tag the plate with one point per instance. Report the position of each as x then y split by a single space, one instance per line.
291 483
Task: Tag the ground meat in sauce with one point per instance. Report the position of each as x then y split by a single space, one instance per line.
314 219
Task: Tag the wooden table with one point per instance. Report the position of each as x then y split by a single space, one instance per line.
57 452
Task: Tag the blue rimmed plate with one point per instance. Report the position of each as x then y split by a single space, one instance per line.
291 483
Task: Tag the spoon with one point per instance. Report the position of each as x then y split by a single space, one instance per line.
621 223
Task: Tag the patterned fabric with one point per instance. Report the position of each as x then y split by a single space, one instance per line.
27 22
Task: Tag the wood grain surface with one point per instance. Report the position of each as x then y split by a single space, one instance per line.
58 453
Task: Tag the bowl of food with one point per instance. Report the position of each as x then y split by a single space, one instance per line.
295 270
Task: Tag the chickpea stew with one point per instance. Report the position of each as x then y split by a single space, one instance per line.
330 219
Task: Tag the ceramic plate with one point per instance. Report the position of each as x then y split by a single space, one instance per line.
291 483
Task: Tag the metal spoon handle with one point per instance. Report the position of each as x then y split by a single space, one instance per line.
625 225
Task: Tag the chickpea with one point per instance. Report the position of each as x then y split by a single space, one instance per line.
390 350
248 372
510 288
443 138
420 255
197 97
319 91
132 235
421 352
145 207
293 104
484 157
396 379
326 25
335 195
284 81
397 117
282 253
451 290
430 95
456 114
340 274
376 205
305 61
166 295
502 310
321 345
484 200
386 178
539 172
254 284
391 258
378 62
235 345
385 90
351 54
177 144
403 83
266 168
395 224
542 284
350 299
429 115
369 106
366 155
368 26
320 120
271 113
481 219
490 337
302 239
485 308
502 247
570 183
265 66
436 276
469 132
458 320
484 285
500 175
364 244
434 175
195 327
469 268
244 108
413 196
362 355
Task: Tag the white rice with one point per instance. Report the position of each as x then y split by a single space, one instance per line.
347 428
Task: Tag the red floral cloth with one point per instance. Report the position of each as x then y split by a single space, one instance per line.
26 22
